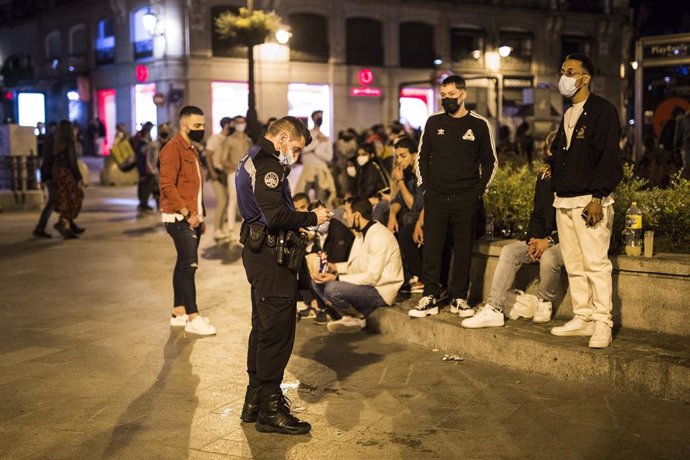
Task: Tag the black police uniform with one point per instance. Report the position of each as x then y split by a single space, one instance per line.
264 197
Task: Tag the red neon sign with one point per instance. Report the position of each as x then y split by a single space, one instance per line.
367 91
142 73
365 77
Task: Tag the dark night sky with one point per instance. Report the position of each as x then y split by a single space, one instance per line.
658 17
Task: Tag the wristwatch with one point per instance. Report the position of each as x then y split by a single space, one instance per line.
596 200
551 241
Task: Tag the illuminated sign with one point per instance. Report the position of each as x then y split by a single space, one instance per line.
142 73
675 50
365 78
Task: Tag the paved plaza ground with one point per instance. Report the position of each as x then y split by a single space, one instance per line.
90 368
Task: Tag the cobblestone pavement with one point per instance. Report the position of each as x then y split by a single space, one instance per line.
89 368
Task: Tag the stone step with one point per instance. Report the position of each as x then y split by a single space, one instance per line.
649 294
638 362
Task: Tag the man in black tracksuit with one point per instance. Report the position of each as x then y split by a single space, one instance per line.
265 202
457 160
586 169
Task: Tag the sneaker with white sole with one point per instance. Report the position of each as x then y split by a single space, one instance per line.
178 320
461 307
518 304
199 326
543 312
346 325
601 338
427 306
576 326
486 316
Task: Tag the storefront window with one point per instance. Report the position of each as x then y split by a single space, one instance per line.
228 100
144 108
31 108
305 99
416 105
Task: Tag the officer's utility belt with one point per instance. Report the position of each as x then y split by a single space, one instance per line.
290 247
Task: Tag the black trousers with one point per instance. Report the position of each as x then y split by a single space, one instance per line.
454 213
273 319
49 207
186 241
145 189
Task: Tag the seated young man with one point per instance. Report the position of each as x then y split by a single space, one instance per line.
371 276
541 247
405 210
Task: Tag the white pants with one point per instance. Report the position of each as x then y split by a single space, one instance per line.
585 254
232 203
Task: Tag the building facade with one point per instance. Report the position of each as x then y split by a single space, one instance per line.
362 62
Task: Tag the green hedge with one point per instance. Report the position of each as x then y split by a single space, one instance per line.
666 211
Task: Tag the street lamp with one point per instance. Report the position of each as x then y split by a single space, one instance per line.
283 36
149 21
504 51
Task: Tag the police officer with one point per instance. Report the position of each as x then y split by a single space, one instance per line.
265 202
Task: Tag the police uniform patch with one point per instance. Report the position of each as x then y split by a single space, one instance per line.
271 180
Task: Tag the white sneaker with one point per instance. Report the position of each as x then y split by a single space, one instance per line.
427 306
576 326
346 325
461 307
178 320
200 326
602 335
519 304
219 235
543 312
486 316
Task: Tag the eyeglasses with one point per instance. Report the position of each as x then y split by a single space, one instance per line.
570 73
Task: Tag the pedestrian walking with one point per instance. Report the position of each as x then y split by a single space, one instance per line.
586 169
69 184
47 182
456 163
183 213
272 256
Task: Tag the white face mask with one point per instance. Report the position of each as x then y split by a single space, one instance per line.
566 86
362 160
351 171
323 228
240 128
286 159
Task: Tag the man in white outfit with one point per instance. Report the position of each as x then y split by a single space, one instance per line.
316 173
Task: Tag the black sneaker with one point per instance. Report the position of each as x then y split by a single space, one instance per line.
76 228
322 317
42 234
427 306
307 313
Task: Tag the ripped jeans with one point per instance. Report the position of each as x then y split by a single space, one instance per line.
186 241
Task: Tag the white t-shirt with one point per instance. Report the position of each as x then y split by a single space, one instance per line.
218 145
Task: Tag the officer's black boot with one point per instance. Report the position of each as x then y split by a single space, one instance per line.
275 417
252 404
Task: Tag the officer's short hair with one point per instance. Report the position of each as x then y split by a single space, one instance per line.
361 205
294 126
188 110
406 143
585 60
456 80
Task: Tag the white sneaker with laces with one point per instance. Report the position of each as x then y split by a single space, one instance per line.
346 325
486 316
178 320
576 326
602 335
200 326
519 304
427 306
543 312
461 307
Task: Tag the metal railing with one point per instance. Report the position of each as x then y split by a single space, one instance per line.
18 173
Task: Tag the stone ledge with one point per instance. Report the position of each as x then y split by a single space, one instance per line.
637 362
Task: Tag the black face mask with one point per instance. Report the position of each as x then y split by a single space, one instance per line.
197 135
318 121
451 106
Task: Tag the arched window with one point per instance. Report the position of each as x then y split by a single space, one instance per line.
466 44
53 45
105 41
417 45
520 43
309 41
77 40
364 42
141 38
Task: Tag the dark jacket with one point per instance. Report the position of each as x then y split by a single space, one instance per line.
592 164
370 180
67 158
542 221
47 158
338 242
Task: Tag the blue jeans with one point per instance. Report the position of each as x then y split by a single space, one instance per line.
515 255
186 241
349 299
